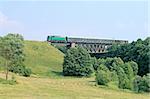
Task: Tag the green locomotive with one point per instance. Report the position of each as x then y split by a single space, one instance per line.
56 39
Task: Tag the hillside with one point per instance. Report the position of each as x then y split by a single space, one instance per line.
43 58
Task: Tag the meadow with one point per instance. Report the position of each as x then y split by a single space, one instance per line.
62 88
47 81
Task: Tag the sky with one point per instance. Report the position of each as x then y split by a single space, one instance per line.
35 20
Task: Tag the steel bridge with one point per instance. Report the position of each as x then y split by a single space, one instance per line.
91 45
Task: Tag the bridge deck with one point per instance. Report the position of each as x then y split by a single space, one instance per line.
98 41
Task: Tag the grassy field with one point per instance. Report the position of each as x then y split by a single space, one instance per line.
62 88
47 82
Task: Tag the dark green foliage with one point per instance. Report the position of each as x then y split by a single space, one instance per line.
77 62
95 63
63 49
26 72
21 70
142 84
138 52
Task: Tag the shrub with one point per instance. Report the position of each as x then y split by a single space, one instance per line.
95 63
116 63
77 62
114 76
21 70
124 82
26 72
102 77
134 66
121 72
142 84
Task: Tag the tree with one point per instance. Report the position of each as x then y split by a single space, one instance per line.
77 62
137 51
134 66
116 63
95 63
103 75
116 70
123 80
12 51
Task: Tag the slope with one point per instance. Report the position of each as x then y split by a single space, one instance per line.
42 58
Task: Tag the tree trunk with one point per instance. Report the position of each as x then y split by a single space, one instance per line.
6 71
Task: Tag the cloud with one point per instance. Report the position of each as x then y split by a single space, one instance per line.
9 25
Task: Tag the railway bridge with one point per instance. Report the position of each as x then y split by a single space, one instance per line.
91 45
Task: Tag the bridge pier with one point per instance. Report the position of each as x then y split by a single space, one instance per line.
72 45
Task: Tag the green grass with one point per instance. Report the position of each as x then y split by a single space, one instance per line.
62 88
43 59
48 83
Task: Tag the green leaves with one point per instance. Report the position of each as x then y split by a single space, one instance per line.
114 69
77 62
11 49
138 51
142 84
103 77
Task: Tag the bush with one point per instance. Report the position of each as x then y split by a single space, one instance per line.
121 72
95 63
77 62
26 72
142 84
114 76
21 70
102 77
124 82
134 66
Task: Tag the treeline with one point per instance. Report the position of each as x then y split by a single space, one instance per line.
138 51
11 50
